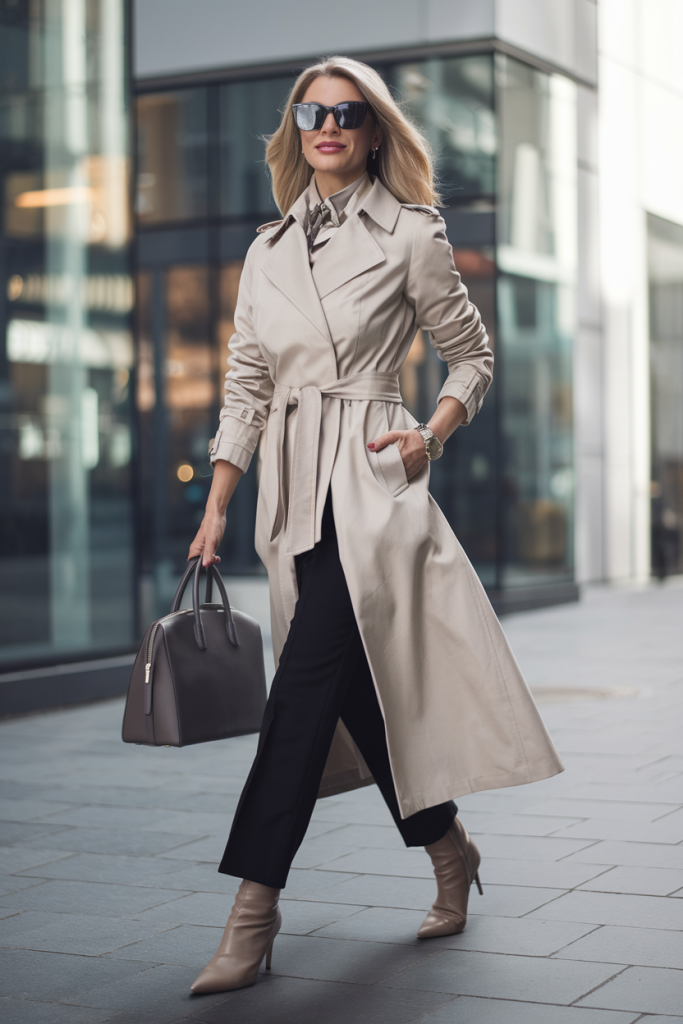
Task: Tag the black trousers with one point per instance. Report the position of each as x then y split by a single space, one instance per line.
323 675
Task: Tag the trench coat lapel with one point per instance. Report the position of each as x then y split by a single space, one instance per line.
350 252
288 268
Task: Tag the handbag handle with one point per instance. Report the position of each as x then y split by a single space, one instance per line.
195 565
178 596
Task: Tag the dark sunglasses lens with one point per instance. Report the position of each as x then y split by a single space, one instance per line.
308 116
350 115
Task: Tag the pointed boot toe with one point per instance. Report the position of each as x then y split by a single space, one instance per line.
219 976
249 934
440 922
456 861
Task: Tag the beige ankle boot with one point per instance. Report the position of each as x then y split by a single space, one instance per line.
249 935
456 863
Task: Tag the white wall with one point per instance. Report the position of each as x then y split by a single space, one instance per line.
641 170
174 36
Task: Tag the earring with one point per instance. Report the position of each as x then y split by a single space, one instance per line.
374 153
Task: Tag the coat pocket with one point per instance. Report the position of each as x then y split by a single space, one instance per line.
392 471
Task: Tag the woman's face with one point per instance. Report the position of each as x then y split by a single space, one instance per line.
333 151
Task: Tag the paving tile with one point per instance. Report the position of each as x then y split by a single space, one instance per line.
300 917
13 883
185 945
309 883
419 893
209 849
665 830
615 909
24 1011
21 858
631 810
517 936
129 842
636 854
70 933
385 837
282 1000
646 947
56 976
532 979
163 989
20 831
470 1010
323 850
193 823
483 934
641 989
530 847
203 908
197 877
549 874
410 863
647 881
71 897
356 963
96 867
486 823
24 810
656 1019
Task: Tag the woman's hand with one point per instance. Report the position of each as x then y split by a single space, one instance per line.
410 445
450 413
210 533
209 536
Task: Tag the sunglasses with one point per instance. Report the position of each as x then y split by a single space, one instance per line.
310 117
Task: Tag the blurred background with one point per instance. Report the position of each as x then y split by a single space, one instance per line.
133 180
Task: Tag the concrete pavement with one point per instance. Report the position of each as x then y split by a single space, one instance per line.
111 902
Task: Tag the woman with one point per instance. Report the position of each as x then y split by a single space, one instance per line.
392 666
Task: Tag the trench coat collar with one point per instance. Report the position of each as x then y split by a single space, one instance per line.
287 264
379 204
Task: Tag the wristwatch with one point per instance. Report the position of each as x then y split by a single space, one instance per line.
432 443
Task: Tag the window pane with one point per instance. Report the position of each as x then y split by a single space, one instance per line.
665 262
66 551
248 111
463 480
452 101
536 317
172 182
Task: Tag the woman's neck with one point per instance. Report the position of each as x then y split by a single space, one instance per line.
328 184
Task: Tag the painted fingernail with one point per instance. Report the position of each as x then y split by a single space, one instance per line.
371 446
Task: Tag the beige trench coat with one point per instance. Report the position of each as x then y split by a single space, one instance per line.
313 375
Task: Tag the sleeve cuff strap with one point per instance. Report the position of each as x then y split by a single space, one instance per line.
465 393
231 452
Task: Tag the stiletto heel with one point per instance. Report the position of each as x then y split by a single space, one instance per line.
476 879
269 955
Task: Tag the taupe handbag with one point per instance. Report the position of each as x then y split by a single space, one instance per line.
199 674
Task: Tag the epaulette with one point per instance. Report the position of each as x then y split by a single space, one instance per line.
268 226
429 210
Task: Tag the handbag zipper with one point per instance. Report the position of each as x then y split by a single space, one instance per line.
148 664
148 669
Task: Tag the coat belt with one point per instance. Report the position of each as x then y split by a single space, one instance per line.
298 509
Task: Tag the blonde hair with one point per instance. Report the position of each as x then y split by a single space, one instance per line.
404 162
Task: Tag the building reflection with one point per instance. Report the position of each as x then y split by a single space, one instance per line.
66 504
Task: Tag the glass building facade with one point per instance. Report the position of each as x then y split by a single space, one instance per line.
505 138
67 582
665 272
